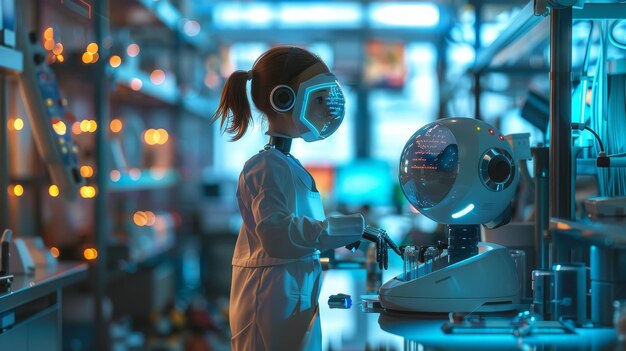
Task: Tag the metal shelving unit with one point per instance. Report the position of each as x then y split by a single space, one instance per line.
11 63
526 29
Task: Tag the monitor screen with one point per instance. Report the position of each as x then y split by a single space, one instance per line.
364 182
324 176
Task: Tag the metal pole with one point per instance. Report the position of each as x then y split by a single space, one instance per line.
561 113
541 163
101 227
4 157
478 7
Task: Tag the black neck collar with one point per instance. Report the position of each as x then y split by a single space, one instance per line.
281 144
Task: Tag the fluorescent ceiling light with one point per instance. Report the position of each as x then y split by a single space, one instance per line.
323 14
404 15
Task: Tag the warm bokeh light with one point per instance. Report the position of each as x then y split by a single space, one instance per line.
87 57
140 218
132 50
136 84
60 58
18 124
59 127
55 252
86 171
53 190
76 128
191 28
115 61
48 33
49 44
158 173
58 49
17 190
92 48
95 58
163 136
150 136
84 126
115 175
116 125
90 254
155 136
87 191
134 173
93 126
150 218
157 77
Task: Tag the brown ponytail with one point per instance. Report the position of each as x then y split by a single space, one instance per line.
278 65
234 108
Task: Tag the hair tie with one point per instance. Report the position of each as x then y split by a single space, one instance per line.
250 75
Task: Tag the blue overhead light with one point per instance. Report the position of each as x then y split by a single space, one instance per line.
238 15
418 14
337 14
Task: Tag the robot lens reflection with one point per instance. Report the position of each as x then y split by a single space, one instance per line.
499 169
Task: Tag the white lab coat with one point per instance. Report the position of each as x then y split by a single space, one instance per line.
276 269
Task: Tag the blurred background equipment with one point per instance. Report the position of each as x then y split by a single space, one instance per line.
114 182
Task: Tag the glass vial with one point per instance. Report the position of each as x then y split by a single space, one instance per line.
411 262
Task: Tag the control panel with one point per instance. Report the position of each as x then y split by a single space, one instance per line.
47 115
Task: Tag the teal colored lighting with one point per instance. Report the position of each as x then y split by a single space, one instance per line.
308 92
463 212
406 15
304 15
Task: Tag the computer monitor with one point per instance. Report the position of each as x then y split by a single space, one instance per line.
364 182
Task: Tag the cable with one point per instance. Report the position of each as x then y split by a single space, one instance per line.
597 138
612 39
582 126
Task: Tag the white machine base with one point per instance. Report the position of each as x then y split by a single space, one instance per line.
486 282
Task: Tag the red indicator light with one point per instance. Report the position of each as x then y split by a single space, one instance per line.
491 132
501 137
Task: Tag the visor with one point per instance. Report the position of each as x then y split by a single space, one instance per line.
319 108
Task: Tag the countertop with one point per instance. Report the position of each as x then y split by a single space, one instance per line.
26 288
353 329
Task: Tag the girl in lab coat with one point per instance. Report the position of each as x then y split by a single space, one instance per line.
276 267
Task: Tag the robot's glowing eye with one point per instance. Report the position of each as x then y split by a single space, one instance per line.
463 212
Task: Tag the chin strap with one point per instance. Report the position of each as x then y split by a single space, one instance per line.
281 144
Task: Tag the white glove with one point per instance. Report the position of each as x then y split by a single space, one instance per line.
342 230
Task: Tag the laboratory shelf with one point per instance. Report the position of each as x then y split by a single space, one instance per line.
531 27
168 94
192 102
509 42
145 180
199 105
11 60
608 232
165 14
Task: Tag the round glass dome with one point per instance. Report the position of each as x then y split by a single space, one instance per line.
429 165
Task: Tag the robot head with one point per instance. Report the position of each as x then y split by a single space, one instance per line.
458 171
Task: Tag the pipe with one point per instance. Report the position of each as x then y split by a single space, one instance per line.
561 189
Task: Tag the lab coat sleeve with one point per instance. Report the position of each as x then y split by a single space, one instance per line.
281 232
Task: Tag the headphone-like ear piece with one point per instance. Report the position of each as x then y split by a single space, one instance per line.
282 98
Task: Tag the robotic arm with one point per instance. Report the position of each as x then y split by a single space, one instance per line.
383 243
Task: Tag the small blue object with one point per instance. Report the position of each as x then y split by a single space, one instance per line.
339 301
